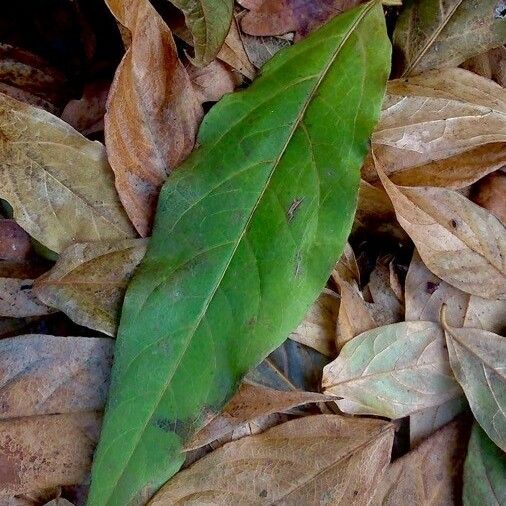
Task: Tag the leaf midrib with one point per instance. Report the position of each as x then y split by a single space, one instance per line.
296 123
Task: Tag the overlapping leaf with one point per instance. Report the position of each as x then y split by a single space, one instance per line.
261 209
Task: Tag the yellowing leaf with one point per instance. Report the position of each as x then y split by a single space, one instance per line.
430 474
152 112
89 281
58 183
312 460
44 375
477 360
458 241
249 404
392 371
436 118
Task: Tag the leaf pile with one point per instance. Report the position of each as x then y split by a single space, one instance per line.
253 252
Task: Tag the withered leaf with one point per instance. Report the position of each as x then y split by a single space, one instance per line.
44 375
431 34
262 49
41 452
311 460
15 243
58 183
89 281
152 111
17 299
392 371
457 240
249 404
432 119
430 474
490 193
491 65
477 360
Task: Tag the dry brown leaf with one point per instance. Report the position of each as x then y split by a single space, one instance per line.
430 474
457 240
276 17
318 329
262 49
347 267
491 65
15 243
311 461
249 404
152 111
17 299
436 117
490 193
58 182
87 113
44 375
60 501
89 281
41 452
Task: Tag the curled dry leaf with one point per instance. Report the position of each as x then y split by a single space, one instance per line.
490 194
318 329
347 267
44 375
392 371
58 183
431 120
41 452
15 243
89 280
311 460
249 404
457 240
491 65
277 17
431 34
152 111
477 360
430 474
484 471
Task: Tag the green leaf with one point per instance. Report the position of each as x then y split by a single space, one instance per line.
394 371
246 234
484 472
443 33
208 22
477 360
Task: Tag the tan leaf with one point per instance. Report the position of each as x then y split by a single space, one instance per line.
17 299
59 183
433 119
311 461
59 502
347 267
248 405
89 280
15 243
40 452
392 371
490 194
457 240
318 329
477 360
491 65
430 474
152 111
44 375
262 49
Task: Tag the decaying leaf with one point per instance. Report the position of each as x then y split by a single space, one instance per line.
346 268
17 299
491 65
430 474
89 280
477 360
318 329
431 34
45 375
261 49
152 111
208 22
277 17
484 471
58 183
458 241
41 452
249 404
15 243
434 118
392 371
490 193
312 460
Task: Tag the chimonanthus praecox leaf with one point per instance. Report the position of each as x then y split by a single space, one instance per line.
246 234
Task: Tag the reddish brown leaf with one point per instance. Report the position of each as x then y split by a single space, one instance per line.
152 114
491 194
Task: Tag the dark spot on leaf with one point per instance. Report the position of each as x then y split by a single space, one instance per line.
453 223
263 493
252 321
165 424
431 287
294 206
355 492
25 287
